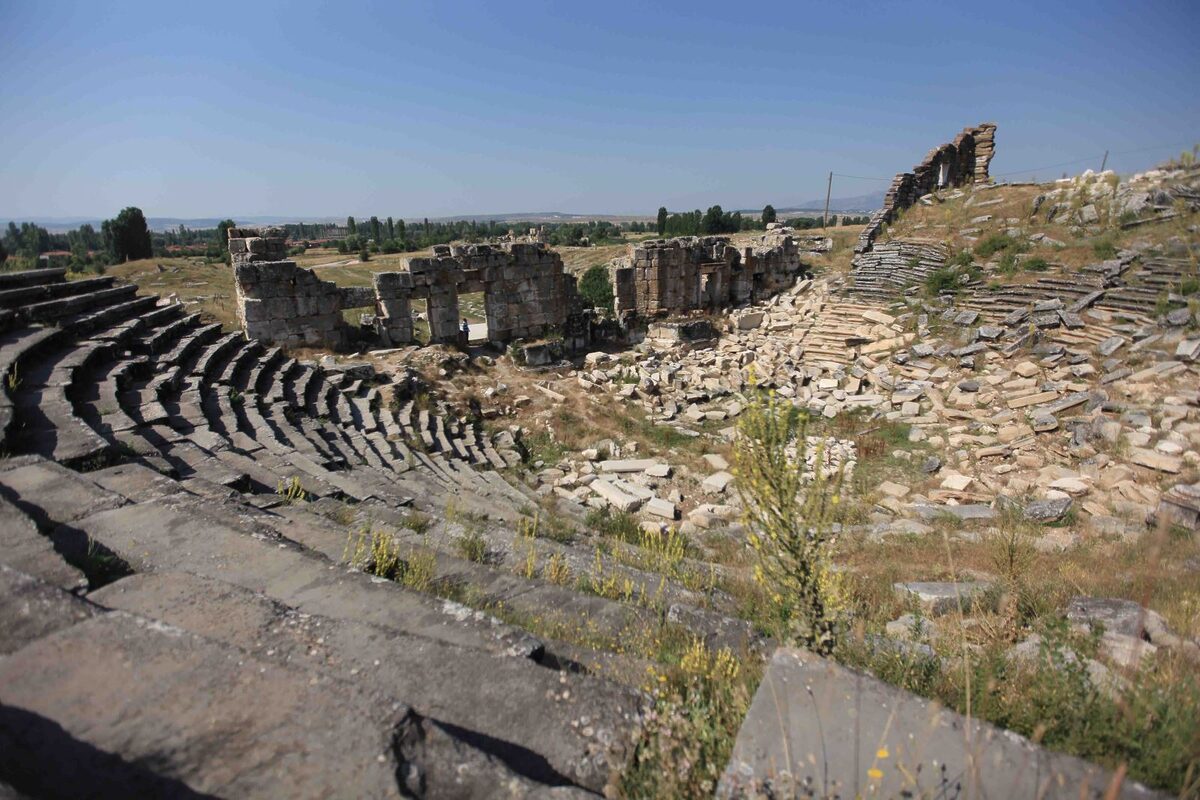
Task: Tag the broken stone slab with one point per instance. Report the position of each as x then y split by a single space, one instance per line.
1048 510
1044 422
956 482
1188 350
1158 461
797 735
614 496
1180 505
1032 399
717 483
942 597
1127 622
661 508
629 465
966 513
1110 345
716 461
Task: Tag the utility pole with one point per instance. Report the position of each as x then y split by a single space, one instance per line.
1104 162
828 189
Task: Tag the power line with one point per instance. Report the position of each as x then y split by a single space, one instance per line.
861 178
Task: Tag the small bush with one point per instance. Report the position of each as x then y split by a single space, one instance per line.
1036 264
614 524
941 280
1104 248
994 244
961 259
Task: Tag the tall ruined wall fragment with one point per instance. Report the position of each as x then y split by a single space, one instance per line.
958 163
281 303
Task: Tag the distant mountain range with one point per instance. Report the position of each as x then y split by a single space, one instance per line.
863 204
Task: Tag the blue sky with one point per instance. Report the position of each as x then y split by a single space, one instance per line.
410 110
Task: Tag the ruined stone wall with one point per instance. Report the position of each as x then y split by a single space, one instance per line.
527 292
689 273
257 244
958 163
281 303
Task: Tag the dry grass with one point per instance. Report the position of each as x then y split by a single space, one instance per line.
204 287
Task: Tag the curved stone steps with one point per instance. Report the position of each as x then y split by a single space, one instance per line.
14 297
84 305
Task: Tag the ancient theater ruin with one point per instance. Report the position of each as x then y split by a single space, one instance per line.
297 555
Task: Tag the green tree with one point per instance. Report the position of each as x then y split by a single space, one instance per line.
223 234
662 220
376 229
596 288
3 253
391 229
713 221
127 237
768 215
351 228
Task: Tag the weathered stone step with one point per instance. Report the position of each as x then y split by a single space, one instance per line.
24 548
52 310
531 715
32 277
35 293
121 692
180 534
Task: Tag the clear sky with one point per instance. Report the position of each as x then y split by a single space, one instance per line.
313 109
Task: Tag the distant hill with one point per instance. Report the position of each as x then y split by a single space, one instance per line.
63 224
861 204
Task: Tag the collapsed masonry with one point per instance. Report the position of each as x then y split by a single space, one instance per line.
958 163
689 273
526 291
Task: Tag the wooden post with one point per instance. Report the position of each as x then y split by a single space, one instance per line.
1104 162
828 189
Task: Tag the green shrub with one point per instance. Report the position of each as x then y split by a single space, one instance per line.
961 259
994 244
941 280
613 524
596 288
1104 248
1036 264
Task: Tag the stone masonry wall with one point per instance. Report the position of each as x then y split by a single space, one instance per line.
257 244
281 303
688 273
527 292
963 161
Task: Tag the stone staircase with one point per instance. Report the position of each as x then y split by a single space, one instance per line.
181 507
